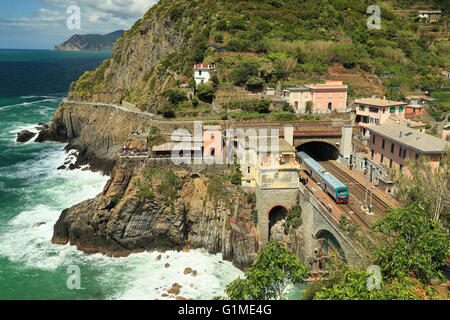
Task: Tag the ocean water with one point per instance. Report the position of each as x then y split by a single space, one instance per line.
33 193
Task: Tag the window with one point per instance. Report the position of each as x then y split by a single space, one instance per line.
199 72
373 110
373 139
212 136
248 169
371 155
400 151
276 176
401 167
417 156
400 109
392 110
390 163
381 159
362 108
392 148
404 154
383 143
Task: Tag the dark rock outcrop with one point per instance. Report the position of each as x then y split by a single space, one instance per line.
133 224
25 135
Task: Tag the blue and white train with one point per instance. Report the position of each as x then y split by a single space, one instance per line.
329 183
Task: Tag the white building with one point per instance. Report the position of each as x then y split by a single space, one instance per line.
202 72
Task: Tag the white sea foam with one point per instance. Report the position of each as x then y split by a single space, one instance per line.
26 240
53 99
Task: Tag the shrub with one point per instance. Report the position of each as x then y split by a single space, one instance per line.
254 84
218 38
174 95
263 106
243 71
194 102
205 92
236 178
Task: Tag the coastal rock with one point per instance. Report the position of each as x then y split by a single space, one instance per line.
175 290
134 224
158 257
188 270
166 265
24 136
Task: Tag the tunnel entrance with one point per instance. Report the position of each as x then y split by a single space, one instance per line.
276 214
327 245
320 151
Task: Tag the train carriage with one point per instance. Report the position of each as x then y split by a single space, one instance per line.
329 183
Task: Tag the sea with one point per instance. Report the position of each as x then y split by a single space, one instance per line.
33 193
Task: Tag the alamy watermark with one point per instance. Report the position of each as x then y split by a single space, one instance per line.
374 21
374 281
74 20
74 280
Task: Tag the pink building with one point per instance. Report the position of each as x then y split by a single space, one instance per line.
212 141
328 96
374 111
324 97
391 144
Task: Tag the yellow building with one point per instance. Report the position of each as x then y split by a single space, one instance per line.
269 163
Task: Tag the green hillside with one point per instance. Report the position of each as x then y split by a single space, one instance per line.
256 44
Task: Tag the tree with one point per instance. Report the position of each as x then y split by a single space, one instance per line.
427 186
254 84
167 109
263 106
205 92
218 38
309 106
417 245
268 275
174 95
243 71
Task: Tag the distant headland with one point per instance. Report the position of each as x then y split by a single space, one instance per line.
90 42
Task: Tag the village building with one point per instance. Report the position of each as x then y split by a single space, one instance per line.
202 72
430 16
392 144
416 125
270 91
212 141
269 162
323 97
414 109
376 111
446 74
446 133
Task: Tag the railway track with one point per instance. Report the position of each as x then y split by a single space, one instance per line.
356 188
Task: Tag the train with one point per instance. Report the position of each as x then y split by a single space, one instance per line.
329 183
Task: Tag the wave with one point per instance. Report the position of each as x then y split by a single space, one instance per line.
25 240
54 99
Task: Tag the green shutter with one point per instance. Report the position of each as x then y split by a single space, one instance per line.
392 109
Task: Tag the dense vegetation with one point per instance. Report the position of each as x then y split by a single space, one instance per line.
262 43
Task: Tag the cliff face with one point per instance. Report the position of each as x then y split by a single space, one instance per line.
92 42
125 76
119 221
97 132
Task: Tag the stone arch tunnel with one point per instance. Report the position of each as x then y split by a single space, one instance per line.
319 150
275 214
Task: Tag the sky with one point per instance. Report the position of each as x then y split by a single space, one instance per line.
42 24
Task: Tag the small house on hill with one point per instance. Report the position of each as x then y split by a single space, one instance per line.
202 72
430 15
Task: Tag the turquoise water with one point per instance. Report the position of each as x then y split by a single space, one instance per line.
33 194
